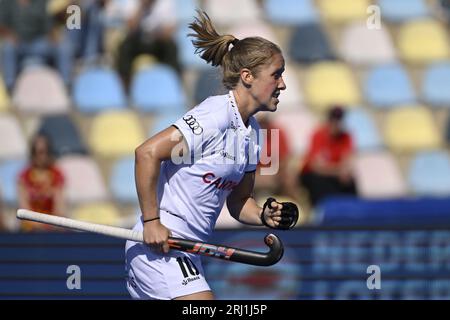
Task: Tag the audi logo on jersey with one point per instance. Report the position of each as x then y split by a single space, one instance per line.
193 124
219 183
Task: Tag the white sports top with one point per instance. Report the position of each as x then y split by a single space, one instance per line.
191 194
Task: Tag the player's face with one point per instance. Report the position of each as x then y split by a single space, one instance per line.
268 84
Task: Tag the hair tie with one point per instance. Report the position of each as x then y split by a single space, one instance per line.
235 41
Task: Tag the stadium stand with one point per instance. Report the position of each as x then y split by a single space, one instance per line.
121 184
435 84
115 133
398 11
321 91
388 85
4 97
103 213
209 82
157 89
12 143
343 11
290 12
40 90
225 13
64 135
9 171
98 89
411 128
84 182
363 129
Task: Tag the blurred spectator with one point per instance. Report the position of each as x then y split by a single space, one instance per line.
275 154
327 167
41 184
88 40
26 32
149 31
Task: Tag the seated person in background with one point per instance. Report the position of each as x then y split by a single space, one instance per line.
273 173
26 31
327 167
149 31
41 185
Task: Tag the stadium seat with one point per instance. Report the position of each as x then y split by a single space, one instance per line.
116 133
309 44
342 11
209 83
163 121
429 174
84 182
40 90
12 141
363 129
299 127
378 175
254 29
186 50
157 89
423 41
9 174
403 10
361 46
186 10
102 213
63 134
4 97
122 183
231 12
290 12
97 89
411 128
388 85
436 84
447 131
322 91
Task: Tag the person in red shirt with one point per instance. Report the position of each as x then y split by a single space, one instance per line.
327 167
41 184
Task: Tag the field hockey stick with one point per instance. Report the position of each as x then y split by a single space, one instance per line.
269 258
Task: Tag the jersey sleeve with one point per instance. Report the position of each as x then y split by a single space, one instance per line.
198 126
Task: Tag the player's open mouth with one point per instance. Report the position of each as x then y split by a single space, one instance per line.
276 94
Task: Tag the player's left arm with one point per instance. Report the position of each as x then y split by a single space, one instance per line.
242 206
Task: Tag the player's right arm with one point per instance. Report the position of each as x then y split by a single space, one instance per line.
148 158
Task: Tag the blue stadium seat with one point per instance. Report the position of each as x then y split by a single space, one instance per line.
402 10
186 10
63 134
122 183
163 121
9 173
186 50
209 83
157 89
363 130
447 131
309 44
436 84
388 85
290 12
429 173
98 89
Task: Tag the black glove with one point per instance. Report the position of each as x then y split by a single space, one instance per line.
289 215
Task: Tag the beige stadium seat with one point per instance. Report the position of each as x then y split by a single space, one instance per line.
299 127
116 133
378 175
4 97
40 90
83 180
411 128
361 45
232 12
423 41
102 213
329 83
343 10
13 144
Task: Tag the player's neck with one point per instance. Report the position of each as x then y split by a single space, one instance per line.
244 105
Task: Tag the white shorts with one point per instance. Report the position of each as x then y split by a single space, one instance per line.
153 275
